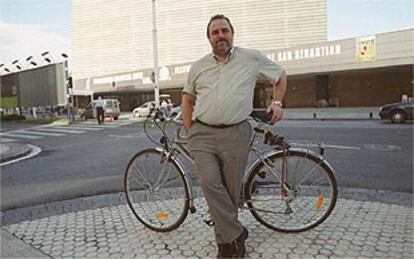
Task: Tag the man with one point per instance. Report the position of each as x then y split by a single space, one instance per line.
216 101
100 113
164 107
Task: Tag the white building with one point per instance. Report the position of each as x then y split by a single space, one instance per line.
115 36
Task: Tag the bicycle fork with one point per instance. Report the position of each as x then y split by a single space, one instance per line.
163 177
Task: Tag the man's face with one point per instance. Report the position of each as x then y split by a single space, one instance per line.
220 36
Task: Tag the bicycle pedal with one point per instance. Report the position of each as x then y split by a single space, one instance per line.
209 223
262 174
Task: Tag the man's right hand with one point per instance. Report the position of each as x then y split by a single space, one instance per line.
187 103
187 126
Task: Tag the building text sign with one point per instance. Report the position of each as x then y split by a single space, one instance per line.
366 49
306 53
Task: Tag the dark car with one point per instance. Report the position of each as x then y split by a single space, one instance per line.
397 112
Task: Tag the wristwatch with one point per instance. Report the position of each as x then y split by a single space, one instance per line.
278 103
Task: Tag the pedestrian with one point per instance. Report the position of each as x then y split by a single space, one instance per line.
217 100
164 107
100 112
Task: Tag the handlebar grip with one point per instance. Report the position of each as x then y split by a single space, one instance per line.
262 116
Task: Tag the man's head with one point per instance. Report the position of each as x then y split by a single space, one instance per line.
220 33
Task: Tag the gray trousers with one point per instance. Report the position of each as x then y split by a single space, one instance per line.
220 156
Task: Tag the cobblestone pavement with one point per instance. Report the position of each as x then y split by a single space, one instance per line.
362 229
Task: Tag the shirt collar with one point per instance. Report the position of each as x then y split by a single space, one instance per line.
229 55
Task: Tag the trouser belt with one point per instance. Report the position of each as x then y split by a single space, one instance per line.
219 126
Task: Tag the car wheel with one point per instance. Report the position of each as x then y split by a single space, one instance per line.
398 116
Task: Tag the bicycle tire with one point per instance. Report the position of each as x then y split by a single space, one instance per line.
161 206
307 204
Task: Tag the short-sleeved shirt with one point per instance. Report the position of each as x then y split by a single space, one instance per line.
224 91
99 103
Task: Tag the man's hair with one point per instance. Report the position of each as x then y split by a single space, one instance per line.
215 17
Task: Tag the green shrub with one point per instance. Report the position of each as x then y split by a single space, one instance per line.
11 117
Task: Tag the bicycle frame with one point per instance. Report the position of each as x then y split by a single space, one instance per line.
284 180
177 148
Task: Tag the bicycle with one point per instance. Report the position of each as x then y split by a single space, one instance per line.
287 189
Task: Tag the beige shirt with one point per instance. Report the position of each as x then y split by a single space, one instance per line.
224 91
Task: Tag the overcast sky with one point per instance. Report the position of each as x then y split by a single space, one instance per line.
30 27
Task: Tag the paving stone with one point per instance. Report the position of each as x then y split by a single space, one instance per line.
370 224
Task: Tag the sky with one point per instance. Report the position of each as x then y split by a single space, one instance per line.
31 27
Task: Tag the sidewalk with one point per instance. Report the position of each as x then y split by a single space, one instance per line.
332 113
104 227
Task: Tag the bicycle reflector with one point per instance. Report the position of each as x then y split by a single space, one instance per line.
161 215
319 202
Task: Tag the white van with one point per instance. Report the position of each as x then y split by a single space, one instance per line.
111 108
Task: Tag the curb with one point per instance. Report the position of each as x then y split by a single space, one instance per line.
22 150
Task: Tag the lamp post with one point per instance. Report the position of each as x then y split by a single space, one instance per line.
155 52
69 86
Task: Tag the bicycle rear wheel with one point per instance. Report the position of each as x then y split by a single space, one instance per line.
156 190
306 199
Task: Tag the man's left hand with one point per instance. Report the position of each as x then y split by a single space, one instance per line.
276 111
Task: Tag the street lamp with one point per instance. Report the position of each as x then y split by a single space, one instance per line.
69 87
16 64
155 52
48 58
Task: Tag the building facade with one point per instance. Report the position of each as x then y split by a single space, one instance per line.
364 71
41 86
115 36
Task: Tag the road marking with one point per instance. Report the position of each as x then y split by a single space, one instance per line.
39 133
7 140
60 130
343 147
78 128
35 151
14 135
316 145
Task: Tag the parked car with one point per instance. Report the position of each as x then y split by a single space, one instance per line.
143 110
397 112
111 107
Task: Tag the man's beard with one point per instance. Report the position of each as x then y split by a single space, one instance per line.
221 47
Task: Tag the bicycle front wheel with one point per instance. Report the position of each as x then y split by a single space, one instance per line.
303 200
156 190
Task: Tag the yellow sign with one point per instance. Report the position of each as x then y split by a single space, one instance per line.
366 49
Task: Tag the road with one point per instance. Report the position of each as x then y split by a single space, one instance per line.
368 154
